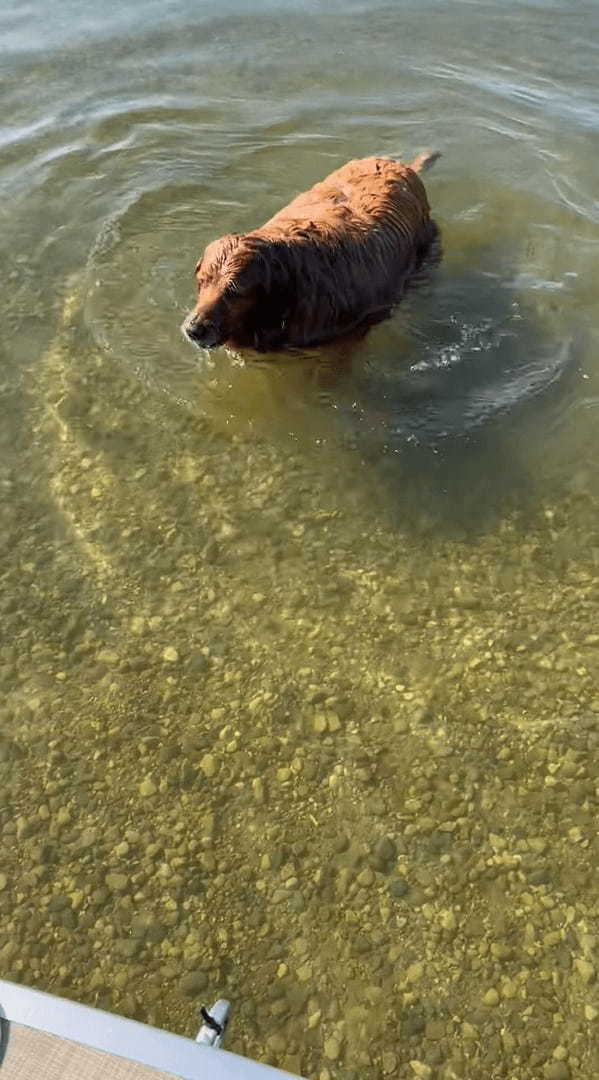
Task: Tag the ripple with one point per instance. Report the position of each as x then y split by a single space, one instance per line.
480 340
535 93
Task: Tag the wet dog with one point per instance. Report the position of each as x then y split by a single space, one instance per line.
333 262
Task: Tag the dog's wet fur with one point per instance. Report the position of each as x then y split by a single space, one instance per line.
333 262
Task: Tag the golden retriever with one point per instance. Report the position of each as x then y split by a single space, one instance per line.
331 263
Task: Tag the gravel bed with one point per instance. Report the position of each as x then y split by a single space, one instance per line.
259 739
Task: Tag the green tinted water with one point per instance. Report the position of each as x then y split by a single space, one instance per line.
299 689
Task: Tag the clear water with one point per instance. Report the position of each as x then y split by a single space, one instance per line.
255 620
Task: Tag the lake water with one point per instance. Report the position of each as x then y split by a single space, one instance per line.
299 696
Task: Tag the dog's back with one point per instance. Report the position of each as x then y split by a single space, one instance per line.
363 192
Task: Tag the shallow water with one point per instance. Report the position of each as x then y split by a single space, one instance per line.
299 673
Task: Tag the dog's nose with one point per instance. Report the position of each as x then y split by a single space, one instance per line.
201 331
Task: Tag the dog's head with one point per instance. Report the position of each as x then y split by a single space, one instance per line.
242 288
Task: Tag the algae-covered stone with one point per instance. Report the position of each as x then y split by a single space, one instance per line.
320 723
332 1048
415 972
421 1069
365 877
556 1070
117 882
209 766
147 788
586 970
388 1062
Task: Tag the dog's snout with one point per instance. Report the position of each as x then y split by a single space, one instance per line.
201 331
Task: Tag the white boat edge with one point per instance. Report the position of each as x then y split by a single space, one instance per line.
115 1035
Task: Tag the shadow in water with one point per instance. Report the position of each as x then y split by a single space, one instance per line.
472 424
451 406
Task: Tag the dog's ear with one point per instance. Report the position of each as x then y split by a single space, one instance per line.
275 300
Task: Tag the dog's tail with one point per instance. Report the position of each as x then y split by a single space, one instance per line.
424 160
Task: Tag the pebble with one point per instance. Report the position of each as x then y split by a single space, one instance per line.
258 789
398 888
108 656
586 970
389 1062
448 920
491 998
88 837
333 721
209 766
556 1070
147 788
3 881
279 1008
420 1069
509 989
276 1043
500 951
385 851
25 828
170 655
198 664
117 882
332 1049
415 972
435 1030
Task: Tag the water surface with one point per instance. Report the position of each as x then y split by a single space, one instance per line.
299 673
